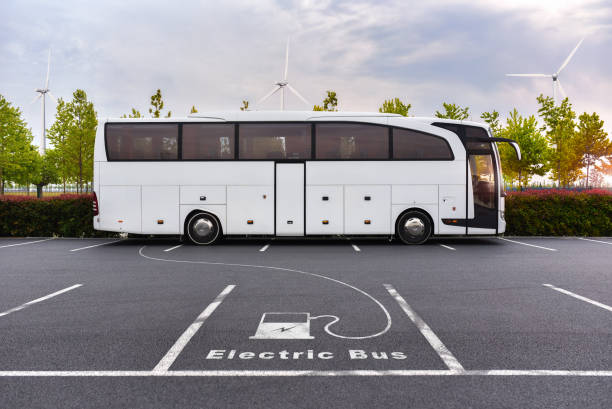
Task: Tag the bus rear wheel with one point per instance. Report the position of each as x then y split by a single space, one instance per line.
413 227
203 229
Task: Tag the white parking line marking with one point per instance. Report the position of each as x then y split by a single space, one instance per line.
27 242
304 373
357 249
96 245
173 248
184 339
46 297
447 247
526 244
449 359
571 294
596 241
264 248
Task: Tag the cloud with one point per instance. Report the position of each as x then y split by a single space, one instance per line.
214 55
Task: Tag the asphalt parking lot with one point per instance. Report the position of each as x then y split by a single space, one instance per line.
454 323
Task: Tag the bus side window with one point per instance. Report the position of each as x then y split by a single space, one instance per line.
351 141
413 145
208 142
142 141
275 141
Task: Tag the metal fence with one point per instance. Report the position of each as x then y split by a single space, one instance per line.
46 189
570 188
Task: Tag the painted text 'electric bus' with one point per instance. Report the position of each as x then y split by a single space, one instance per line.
298 174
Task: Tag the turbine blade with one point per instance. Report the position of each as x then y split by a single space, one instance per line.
48 68
52 96
36 99
561 89
569 57
529 75
297 94
269 94
286 61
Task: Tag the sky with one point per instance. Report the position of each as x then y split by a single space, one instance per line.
214 54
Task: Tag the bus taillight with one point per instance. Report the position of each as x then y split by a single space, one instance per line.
95 204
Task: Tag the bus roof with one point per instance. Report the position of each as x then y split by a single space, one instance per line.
256 116
432 119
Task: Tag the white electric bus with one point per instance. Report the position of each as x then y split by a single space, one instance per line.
297 174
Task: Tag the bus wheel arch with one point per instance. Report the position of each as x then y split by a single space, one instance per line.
202 227
414 226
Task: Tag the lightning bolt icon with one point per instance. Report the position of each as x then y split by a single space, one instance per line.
283 329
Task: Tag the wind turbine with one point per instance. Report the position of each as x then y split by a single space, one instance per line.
42 92
282 84
555 76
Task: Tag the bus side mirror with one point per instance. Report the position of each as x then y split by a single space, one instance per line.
516 149
512 142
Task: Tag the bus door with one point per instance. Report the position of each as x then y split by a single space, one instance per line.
482 177
485 185
289 187
484 173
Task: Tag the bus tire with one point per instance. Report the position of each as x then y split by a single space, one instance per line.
413 227
203 229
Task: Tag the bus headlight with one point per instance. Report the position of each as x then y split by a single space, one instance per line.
502 214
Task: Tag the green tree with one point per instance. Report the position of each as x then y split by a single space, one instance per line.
452 111
26 175
15 144
73 135
492 118
245 105
534 149
395 106
45 170
58 134
329 104
135 114
592 141
602 168
157 105
560 128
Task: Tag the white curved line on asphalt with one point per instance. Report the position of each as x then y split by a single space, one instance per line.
382 307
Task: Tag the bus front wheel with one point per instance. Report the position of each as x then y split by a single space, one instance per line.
203 229
413 227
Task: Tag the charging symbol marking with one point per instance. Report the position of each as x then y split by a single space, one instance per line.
283 329
284 325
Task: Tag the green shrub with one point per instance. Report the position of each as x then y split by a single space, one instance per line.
530 213
64 215
551 212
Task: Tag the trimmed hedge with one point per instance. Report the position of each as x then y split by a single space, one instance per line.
530 213
554 212
64 215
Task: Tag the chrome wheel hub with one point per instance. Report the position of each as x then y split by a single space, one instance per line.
414 227
203 227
